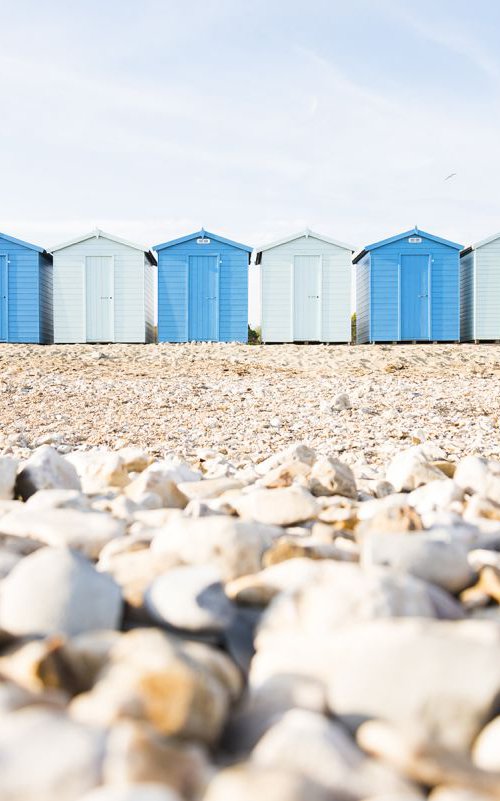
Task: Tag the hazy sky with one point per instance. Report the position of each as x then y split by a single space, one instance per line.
152 118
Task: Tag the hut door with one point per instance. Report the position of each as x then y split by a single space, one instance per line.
99 280
307 298
4 301
414 297
203 322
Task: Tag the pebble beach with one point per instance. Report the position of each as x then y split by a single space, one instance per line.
231 573
249 402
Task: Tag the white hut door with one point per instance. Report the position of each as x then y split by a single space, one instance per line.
99 280
307 298
4 301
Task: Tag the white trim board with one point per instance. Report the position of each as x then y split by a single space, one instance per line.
307 233
97 234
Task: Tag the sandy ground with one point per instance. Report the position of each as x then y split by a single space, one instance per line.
250 401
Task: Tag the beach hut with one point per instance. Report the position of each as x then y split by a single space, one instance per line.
25 292
305 289
408 289
202 289
103 290
480 291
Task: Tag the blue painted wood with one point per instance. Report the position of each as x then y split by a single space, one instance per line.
204 298
27 245
4 306
28 272
180 307
384 291
413 232
172 298
387 314
414 281
202 234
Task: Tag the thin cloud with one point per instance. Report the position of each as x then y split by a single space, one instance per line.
462 44
341 80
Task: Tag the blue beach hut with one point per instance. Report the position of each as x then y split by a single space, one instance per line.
202 289
408 289
25 292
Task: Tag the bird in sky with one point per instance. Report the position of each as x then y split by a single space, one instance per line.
451 175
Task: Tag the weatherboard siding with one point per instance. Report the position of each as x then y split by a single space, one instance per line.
23 297
129 311
277 292
46 303
336 300
445 296
487 291
149 300
467 300
363 300
172 298
278 289
69 297
174 309
233 289
384 298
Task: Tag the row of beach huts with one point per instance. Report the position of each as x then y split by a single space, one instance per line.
100 288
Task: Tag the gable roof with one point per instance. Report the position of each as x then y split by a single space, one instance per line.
198 235
21 242
413 232
306 233
98 234
480 244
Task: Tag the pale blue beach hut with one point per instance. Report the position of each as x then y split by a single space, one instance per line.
202 289
25 292
408 289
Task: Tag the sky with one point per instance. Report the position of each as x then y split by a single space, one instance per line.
153 118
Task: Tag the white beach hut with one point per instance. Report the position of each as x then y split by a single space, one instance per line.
480 291
305 289
103 290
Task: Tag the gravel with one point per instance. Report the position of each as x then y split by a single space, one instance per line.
225 397
230 573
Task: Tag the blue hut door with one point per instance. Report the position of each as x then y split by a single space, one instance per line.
414 298
203 312
4 300
307 298
99 279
